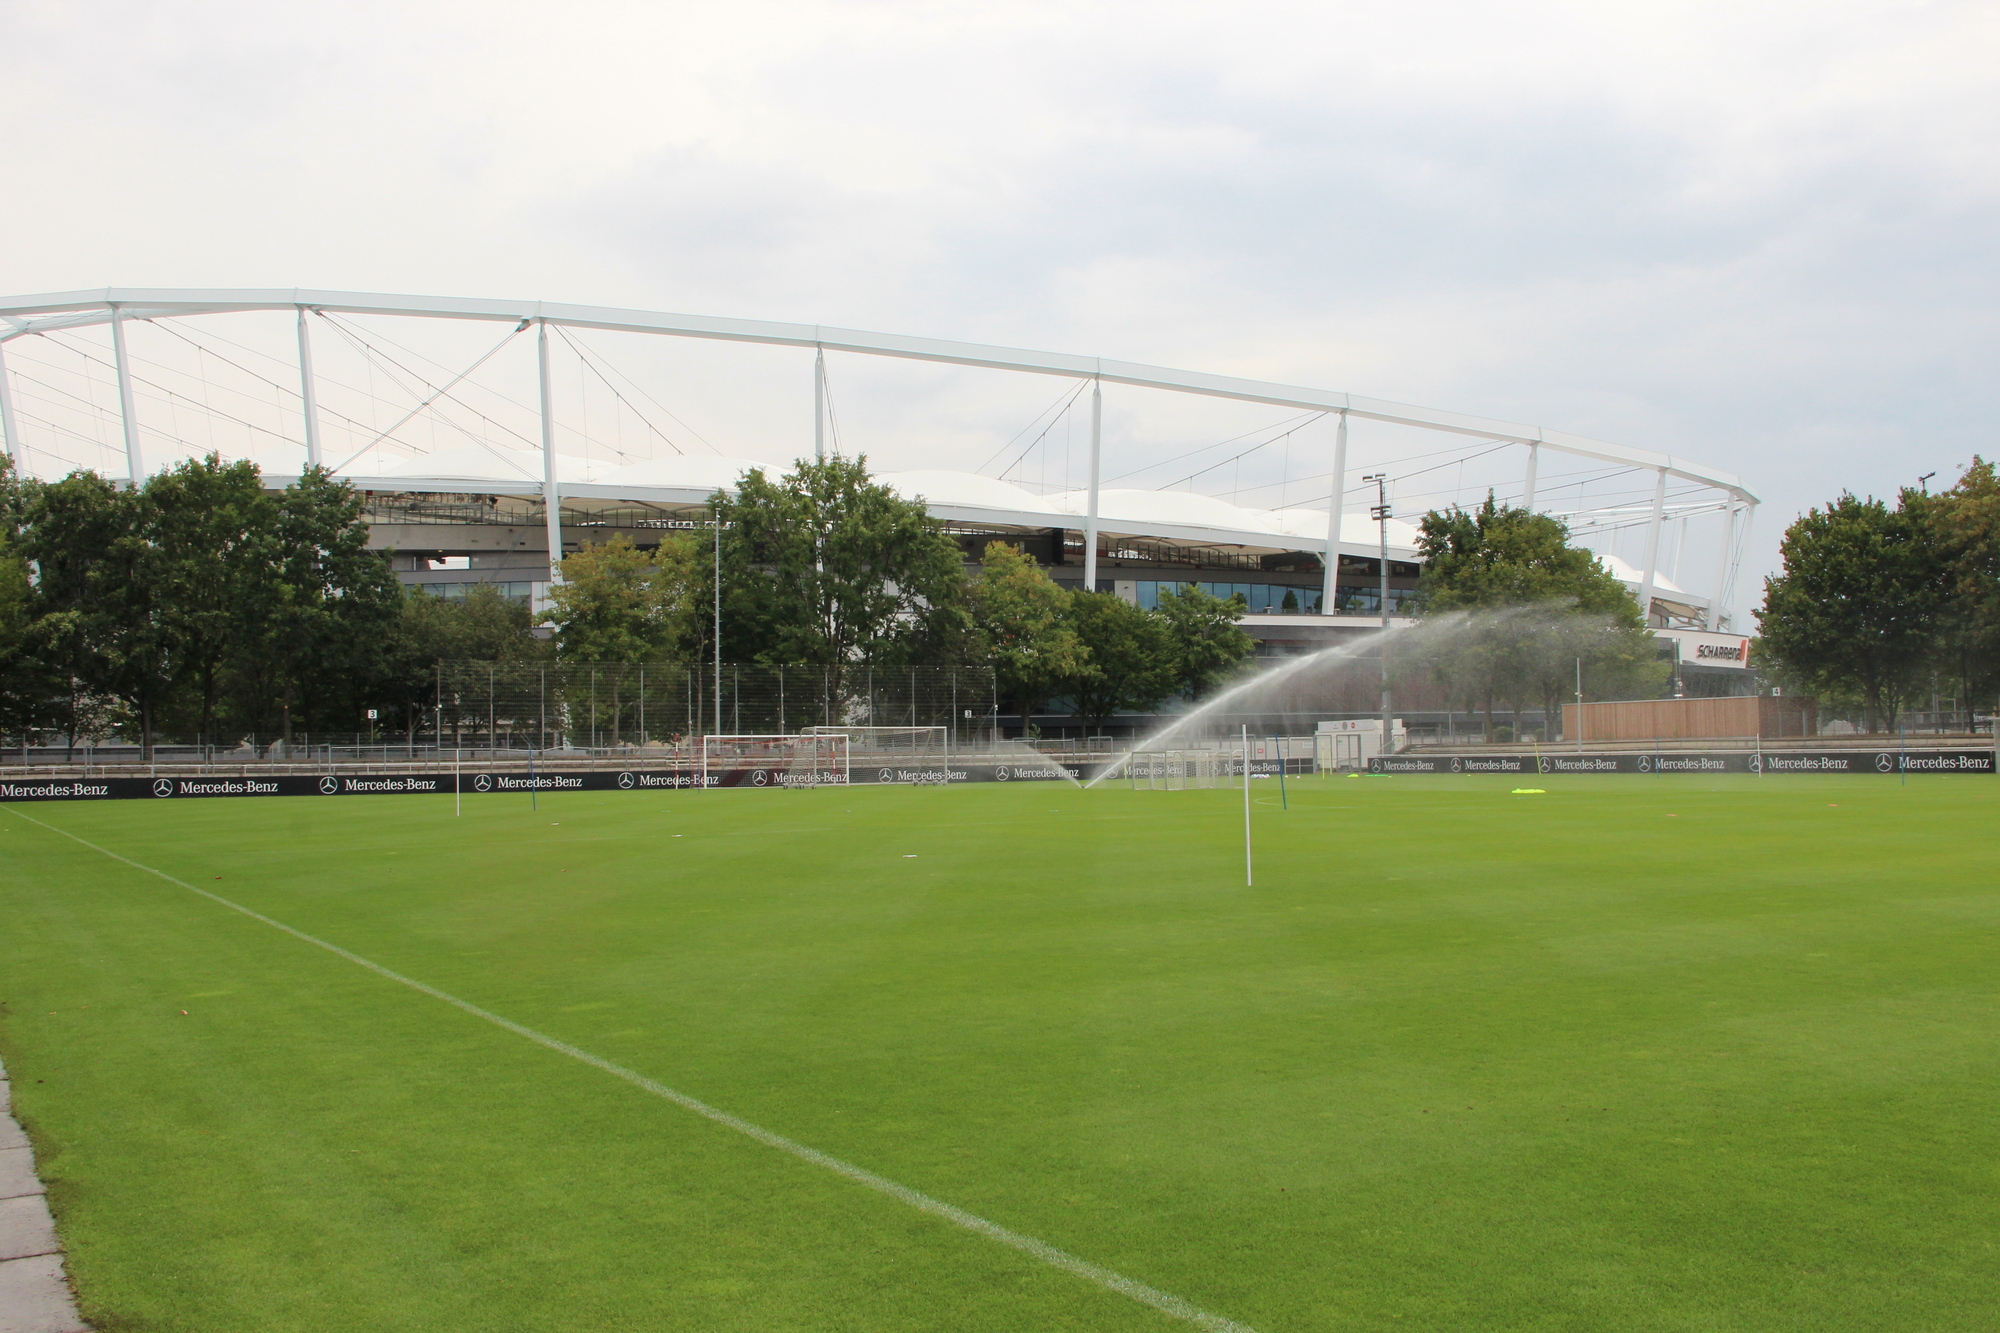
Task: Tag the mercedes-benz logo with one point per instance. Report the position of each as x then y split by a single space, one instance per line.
885 776
1756 763
760 778
1000 773
1542 765
1645 763
163 786
328 786
625 781
1457 764
484 782
1885 763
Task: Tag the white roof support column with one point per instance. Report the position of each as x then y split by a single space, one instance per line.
819 406
1090 516
1718 600
551 495
1528 487
308 392
1742 545
135 463
10 434
1335 508
1653 526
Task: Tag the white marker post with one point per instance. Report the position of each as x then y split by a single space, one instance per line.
457 788
1249 875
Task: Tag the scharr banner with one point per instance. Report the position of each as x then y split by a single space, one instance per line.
1722 761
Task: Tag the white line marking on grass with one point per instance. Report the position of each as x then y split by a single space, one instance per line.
1165 1302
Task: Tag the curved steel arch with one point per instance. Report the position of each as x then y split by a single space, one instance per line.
61 310
23 315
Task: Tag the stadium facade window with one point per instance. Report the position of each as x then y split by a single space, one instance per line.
519 592
1268 599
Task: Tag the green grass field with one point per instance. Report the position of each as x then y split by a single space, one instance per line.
1638 1054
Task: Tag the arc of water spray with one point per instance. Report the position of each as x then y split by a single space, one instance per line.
1276 675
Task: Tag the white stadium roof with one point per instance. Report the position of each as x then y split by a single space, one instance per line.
954 496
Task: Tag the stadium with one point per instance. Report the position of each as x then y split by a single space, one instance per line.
477 466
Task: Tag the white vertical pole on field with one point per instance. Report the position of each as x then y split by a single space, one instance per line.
457 788
1528 486
1334 507
8 430
1653 526
819 406
1718 600
1249 869
551 493
135 463
1090 515
308 391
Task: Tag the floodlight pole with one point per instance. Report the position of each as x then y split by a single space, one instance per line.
308 392
11 432
135 463
1329 594
1528 486
1380 514
1090 514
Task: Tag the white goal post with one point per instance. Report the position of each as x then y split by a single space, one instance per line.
924 742
1183 770
800 760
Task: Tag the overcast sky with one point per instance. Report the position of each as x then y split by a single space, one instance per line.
1756 235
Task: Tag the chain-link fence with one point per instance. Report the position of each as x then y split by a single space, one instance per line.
595 705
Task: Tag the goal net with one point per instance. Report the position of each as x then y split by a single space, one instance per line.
774 761
901 744
1183 770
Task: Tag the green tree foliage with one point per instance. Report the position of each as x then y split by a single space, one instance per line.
617 603
322 626
1858 610
1966 520
826 567
80 640
1533 607
214 575
1027 624
1127 663
1203 644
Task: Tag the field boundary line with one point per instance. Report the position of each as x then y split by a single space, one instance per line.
1165 1302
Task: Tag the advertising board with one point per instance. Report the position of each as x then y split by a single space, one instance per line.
1720 761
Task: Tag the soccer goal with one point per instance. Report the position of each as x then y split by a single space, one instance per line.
1183 770
774 761
902 744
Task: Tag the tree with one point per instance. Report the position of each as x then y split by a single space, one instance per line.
1025 618
826 567
91 632
1534 609
617 603
1128 662
1967 525
1857 609
1203 643
216 576
318 637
